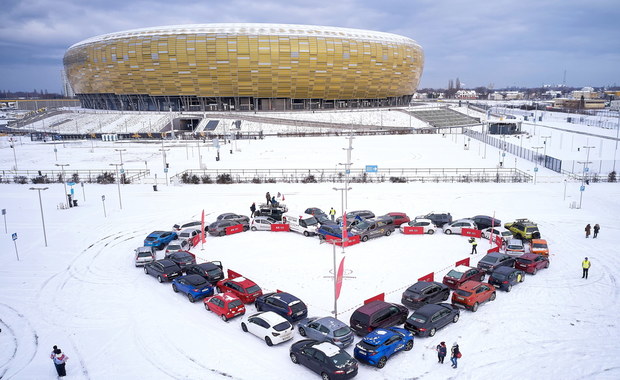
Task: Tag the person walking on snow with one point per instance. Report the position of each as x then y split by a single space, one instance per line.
474 245
252 209
332 213
588 231
455 354
596 230
59 361
441 351
585 264
268 197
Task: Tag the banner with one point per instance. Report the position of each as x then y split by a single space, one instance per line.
378 297
344 226
280 227
429 277
462 262
339 278
353 239
233 274
471 232
234 229
203 235
413 230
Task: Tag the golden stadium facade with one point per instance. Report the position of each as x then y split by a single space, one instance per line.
244 67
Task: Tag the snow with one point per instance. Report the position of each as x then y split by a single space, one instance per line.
83 293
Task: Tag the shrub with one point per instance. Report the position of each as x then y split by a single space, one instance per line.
256 180
611 177
41 179
106 178
185 177
309 179
224 178
206 179
398 179
21 179
75 178
270 180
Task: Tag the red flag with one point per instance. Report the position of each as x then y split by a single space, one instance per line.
202 228
344 227
339 278
282 197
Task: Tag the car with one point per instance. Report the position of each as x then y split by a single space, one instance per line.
163 270
219 228
357 216
301 222
274 212
472 293
329 229
457 226
372 228
539 247
225 305
182 258
144 255
269 326
232 216
484 221
284 304
424 292
377 347
326 329
532 262
193 286
431 317
439 219
324 358
377 314
262 223
497 231
325 220
399 218
494 260
462 273
191 224
504 278
515 247
211 270
314 211
176 246
192 235
427 225
159 239
524 229
245 289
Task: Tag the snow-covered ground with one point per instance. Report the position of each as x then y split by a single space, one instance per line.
82 292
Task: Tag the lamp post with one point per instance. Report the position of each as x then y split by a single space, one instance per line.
118 183
583 176
617 136
14 154
120 151
342 190
588 156
64 182
39 189
536 161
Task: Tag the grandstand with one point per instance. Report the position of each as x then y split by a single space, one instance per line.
444 117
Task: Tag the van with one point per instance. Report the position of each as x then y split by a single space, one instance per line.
301 222
377 314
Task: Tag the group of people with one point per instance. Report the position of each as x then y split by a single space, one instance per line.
589 228
442 351
60 360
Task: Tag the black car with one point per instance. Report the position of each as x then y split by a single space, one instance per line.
439 219
164 270
314 211
324 358
376 314
182 259
283 304
494 260
210 271
505 277
272 212
484 221
425 292
231 216
429 318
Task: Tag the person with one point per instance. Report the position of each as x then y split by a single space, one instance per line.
332 213
59 361
474 246
273 201
252 209
441 351
455 354
596 230
588 230
268 196
585 264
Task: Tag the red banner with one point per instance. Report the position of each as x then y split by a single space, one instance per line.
494 249
203 235
339 278
280 227
234 229
378 297
233 274
413 230
353 239
344 226
499 241
429 277
462 262
471 232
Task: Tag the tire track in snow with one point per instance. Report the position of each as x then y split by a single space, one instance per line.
24 350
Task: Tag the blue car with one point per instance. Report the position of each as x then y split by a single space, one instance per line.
377 347
329 229
159 239
193 285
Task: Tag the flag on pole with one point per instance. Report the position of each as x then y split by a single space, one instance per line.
202 228
282 197
344 226
339 278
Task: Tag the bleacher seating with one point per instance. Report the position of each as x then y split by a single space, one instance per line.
444 117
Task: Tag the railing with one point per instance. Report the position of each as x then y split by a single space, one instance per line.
81 175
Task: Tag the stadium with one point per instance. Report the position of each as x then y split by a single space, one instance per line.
244 67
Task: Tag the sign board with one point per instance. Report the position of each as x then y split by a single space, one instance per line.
3 211
71 183
122 171
372 168
72 191
429 277
535 170
165 170
103 197
586 169
234 229
347 171
280 227
378 297
352 240
462 262
14 236
471 232
582 188
413 230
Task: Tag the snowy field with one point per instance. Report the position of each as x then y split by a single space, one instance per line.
83 293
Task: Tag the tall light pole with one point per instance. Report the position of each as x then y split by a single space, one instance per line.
617 137
347 172
121 153
64 182
14 155
583 176
342 190
39 189
545 143
588 156
118 183
536 161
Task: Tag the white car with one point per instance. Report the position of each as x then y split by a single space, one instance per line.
427 224
144 255
501 231
180 226
262 223
176 246
191 235
269 326
515 247
457 226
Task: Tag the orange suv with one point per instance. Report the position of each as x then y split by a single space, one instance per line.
539 247
472 293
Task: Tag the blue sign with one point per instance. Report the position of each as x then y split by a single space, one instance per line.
372 168
14 236
586 170
582 188
504 154
71 183
165 170
72 191
122 171
535 169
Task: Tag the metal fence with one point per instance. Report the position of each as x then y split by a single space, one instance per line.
83 175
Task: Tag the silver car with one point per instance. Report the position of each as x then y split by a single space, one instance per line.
144 255
176 246
261 223
326 329
456 227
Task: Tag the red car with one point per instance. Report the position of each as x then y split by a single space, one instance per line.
462 273
245 289
398 217
532 262
225 305
472 293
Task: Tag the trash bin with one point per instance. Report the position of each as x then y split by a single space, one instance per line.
154 187
75 203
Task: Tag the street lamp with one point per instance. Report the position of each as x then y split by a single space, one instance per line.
343 240
64 182
14 155
118 183
39 189
588 155
536 161
545 144
121 153
583 176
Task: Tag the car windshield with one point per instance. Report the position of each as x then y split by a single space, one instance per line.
150 238
214 272
184 235
197 281
344 330
144 254
539 245
172 247
340 359
299 306
253 288
417 318
515 246
455 274
311 221
367 346
235 303
489 259
499 276
524 261
506 233
282 326
362 226
183 256
463 293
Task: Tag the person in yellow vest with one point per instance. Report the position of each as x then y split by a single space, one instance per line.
585 265
474 245
332 213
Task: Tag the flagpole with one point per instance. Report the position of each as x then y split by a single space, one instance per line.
335 282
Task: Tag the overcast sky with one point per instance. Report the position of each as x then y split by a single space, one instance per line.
495 43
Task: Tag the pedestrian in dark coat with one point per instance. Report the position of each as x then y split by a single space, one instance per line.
268 197
596 230
455 354
588 230
442 350
59 361
474 245
252 209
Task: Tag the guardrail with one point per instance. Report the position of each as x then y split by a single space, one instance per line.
80 175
